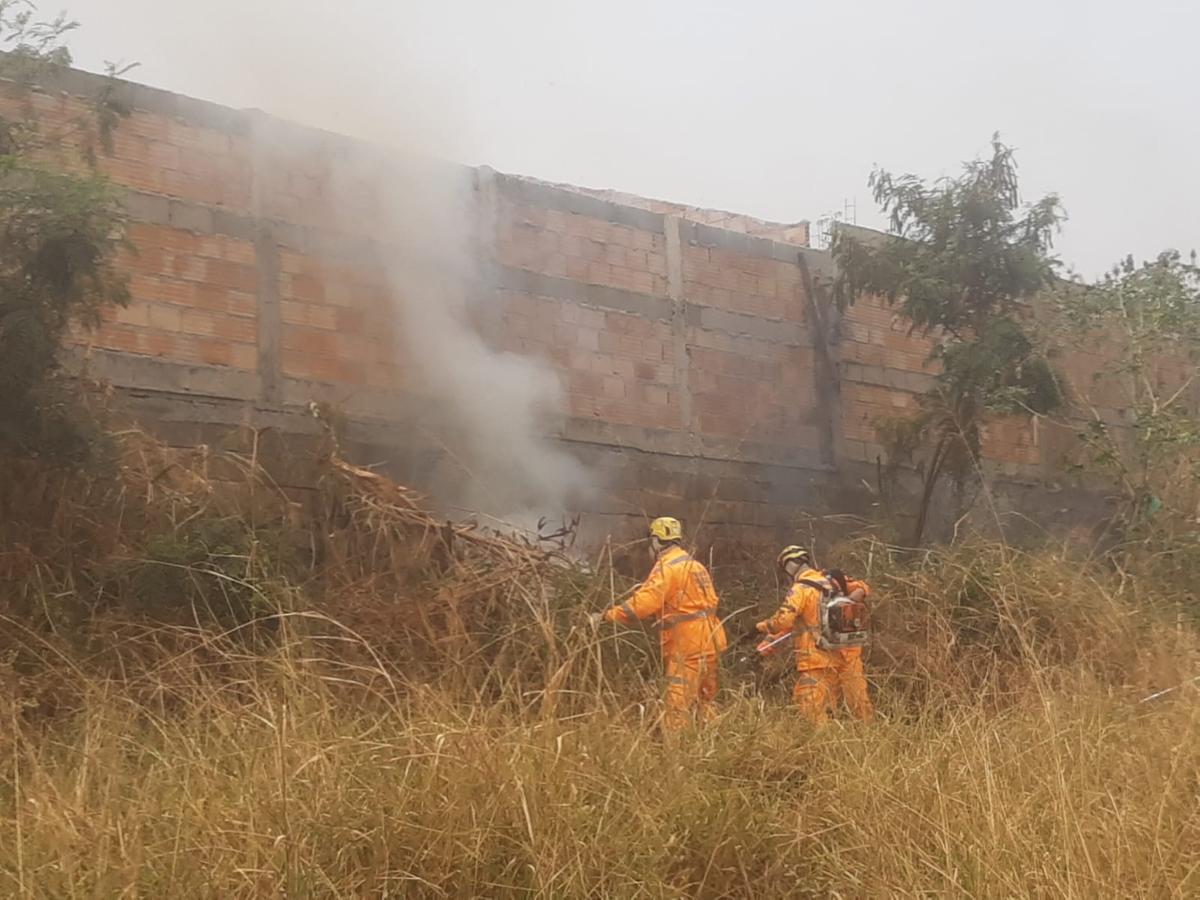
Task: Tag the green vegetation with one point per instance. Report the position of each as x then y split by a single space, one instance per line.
962 262
59 227
1146 321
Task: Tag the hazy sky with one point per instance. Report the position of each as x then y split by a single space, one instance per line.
779 109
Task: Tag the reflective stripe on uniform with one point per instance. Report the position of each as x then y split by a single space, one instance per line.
679 620
683 559
677 679
628 610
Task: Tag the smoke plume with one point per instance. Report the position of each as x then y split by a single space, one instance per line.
491 412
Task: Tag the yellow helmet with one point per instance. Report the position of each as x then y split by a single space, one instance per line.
792 553
666 529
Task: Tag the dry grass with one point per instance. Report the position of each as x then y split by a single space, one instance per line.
406 711
291 787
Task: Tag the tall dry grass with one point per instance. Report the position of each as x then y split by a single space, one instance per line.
409 712
290 780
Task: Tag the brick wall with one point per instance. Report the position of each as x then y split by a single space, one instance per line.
689 343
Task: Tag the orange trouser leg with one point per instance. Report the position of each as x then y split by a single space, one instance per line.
854 688
813 693
691 687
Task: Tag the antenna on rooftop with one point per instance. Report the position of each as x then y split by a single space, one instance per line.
825 225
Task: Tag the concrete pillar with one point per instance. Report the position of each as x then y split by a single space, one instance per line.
266 249
679 329
822 315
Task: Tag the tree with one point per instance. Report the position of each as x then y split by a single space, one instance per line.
962 260
1145 322
60 225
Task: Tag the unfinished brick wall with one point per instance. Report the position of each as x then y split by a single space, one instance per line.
701 373
795 233
193 299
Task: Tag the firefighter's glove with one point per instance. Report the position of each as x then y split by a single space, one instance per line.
595 620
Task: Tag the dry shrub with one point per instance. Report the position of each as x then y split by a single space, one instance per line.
406 708
298 786
429 590
114 569
986 621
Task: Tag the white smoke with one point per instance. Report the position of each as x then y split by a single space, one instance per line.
492 411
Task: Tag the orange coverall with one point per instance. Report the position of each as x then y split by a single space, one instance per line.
825 676
680 594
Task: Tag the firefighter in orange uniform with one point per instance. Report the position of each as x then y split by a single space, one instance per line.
679 594
848 661
823 675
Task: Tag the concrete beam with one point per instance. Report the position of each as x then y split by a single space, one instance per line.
384 412
152 100
745 244
667 442
213 395
548 196
774 331
645 305
154 209
900 379
148 373
746 344
367 403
